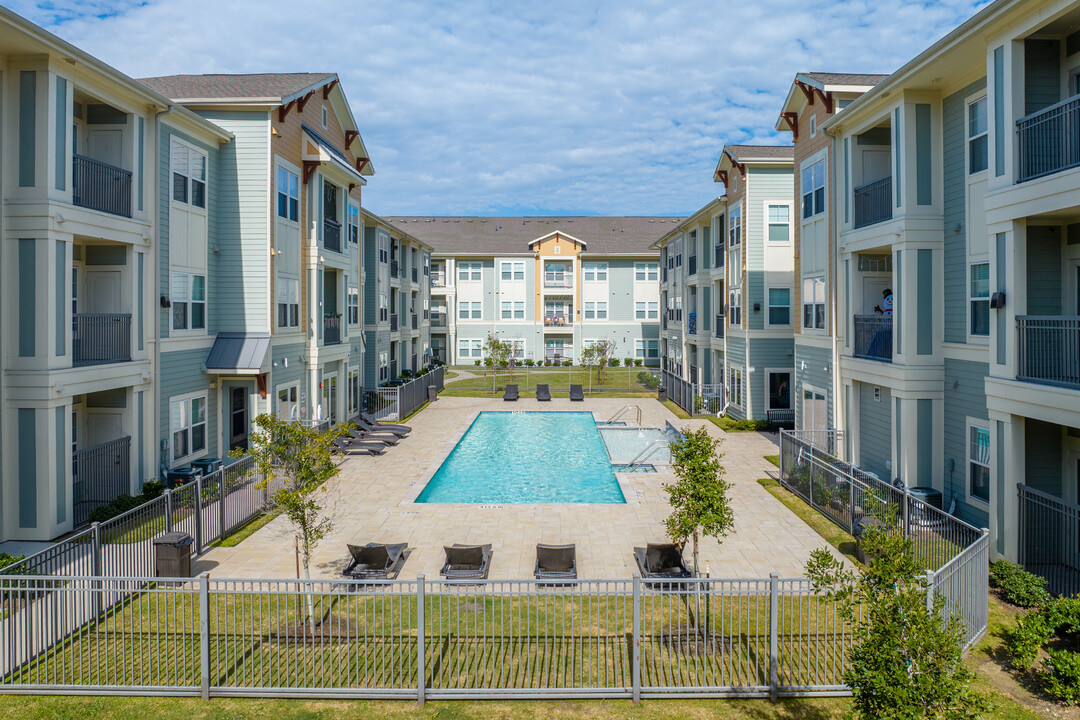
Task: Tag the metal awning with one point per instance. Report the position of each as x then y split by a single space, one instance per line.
238 354
326 152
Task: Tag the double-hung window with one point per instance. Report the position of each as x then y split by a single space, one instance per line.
288 195
596 272
354 305
646 311
735 227
779 223
384 367
384 308
188 301
470 311
512 271
978 140
596 311
384 248
188 175
779 306
470 271
353 224
188 424
813 190
646 272
735 307
979 463
353 391
735 386
470 348
288 302
647 349
513 310
980 299
813 302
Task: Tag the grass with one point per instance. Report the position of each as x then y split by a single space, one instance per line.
616 381
246 530
676 410
728 424
774 459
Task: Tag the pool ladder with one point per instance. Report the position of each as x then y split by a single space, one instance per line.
647 453
625 409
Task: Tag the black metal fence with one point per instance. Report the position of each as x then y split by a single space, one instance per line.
99 475
100 186
100 338
395 403
1049 349
873 202
873 337
332 329
694 398
331 234
1049 140
1050 539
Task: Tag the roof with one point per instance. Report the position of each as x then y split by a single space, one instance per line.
274 87
401 233
336 155
844 79
510 235
242 353
824 82
764 153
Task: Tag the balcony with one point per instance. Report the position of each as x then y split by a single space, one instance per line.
719 326
98 186
691 265
393 322
718 257
99 475
557 320
438 319
873 337
558 280
415 275
332 329
100 338
1049 350
393 369
413 366
438 278
1049 140
691 323
393 268
331 234
873 202
415 322
556 353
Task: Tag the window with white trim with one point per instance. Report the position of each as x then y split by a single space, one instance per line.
288 195
646 310
384 367
188 175
735 387
647 349
779 306
288 405
734 227
470 271
513 310
188 426
352 223
979 299
517 346
288 302
779 220
470 349
384 248
353 305
352 387
646 272
813 190
512 271
735 307
596 272
978 140
596 311
188 301
813 303
384 308
470 310
979 462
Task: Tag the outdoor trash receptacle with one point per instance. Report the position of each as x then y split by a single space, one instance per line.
661 394
432 393
172 554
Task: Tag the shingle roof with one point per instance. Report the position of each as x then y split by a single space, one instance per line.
273 86
749 153
505 235
852 79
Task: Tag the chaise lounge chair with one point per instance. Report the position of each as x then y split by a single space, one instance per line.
556 562
662 560
543 393
359 446
363 435
375 561
511 393
368 423
466 562
576 393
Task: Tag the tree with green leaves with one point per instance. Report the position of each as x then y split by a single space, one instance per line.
303 459
595 355
500 352
698 497
907 660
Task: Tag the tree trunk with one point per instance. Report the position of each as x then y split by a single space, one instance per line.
310 599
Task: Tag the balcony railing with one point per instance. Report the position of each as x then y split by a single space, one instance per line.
557 320
719 326
415 275
393 322
331 234
438 319
691 323
691 265
100 338
332 329
413 366
556 354
558 280
1049 350
99 475
1049 140
393 369
100 186
873 202
873 337
415 322
438 278
393 268
718 256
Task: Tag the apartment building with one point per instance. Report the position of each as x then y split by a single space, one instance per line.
397 302
550 285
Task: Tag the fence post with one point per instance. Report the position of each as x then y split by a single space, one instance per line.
98 564
635 654
929 591
774 641
221 503
783 455
204 633
906 512
168 509
198 516
421 681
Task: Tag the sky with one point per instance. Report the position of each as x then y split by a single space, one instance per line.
473 107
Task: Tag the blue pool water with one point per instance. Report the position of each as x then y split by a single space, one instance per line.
527 457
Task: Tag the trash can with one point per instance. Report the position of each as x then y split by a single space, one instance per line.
661 394
172 554
205 466
861 526
432 393
181 475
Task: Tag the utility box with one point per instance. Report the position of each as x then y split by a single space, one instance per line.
432 393
205 466
172 554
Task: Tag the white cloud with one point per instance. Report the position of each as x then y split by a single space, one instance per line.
612 107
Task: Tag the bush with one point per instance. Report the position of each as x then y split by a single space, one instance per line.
729 424
648 380
476 363
7 559
1055 629
529 363
638 362
567 363
122 503
613 362
1017 586
152 489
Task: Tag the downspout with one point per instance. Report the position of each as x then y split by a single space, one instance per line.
163 443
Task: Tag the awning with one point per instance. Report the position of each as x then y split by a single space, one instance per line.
326 152
238 354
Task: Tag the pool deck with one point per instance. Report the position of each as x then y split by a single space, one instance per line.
372 500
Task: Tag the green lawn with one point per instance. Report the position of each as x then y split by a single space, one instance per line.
620 380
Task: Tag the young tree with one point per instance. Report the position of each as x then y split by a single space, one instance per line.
303 458
907 660
698 497
596 355
500 352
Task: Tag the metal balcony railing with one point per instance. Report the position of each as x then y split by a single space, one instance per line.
691 265
557 320
99 475
393 322
415 322
1049 140
438 319
100 186
438 354
393 369
438 278
719 326
1049 350
558 280
415 275
100 338
331 234
393 268
873 202
718 253
332 329
556 354
873 337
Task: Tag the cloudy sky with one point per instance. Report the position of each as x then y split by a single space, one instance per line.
504 107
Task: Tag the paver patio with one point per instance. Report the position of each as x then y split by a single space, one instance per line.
373 501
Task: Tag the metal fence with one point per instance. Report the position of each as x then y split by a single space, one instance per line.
100 186
955 553
767 637
872 202
99 475
1050 539
695 398
1049 349
396 403
100 338
1049 140
873 337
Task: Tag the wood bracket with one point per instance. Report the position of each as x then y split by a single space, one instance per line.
304 101
352 186
283 111
350 135
361 163
309 169
327 88
722 176
792 120
827 99
806 91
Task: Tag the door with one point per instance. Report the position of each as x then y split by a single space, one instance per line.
813 410
238 418
329 397
102 291
779 390
103 427
876 164
874 294
105 146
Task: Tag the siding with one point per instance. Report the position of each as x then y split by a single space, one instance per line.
954 129
968 399
180 373
1042 74
875 431
767 354
1042 456
1044 270
763 184
736 358
816 359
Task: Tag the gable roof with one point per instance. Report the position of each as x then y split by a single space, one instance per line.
825 83
853 80
250 87
761 153
515 235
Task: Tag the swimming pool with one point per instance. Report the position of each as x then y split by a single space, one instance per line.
527 457
625 444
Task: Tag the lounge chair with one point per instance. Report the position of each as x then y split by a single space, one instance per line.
359 446
365 436
366 423
375 561
543 393
576 393
662 560
466 562
511 393
556 562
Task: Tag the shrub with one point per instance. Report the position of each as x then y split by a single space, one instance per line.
1017 585
476 363
628 362
122 503
613 362
1055 629
152 489
648 380
567 363
488 362
529 363
638 362
7 559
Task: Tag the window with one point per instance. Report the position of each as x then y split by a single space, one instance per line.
188 175
513 271
735 307
735 227
595 272
813 300
978 141
352 222
979 463
646 272
647 349
288 407
646 311
354 305
596 311
325 117
288 195
188 301
518 349
384 367
470 310
779 390
980 299
352 388
779 223
288 302
734 388
779 306
813 190
470 348
513 310
470 271
188 422
384 310
384 248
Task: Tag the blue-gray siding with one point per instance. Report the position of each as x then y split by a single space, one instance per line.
875 431
967 399
180 373
817 359
1044 270
27 439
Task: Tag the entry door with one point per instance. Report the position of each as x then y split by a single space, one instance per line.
238 418
330 397
105 146
874 293
102 291
814 410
